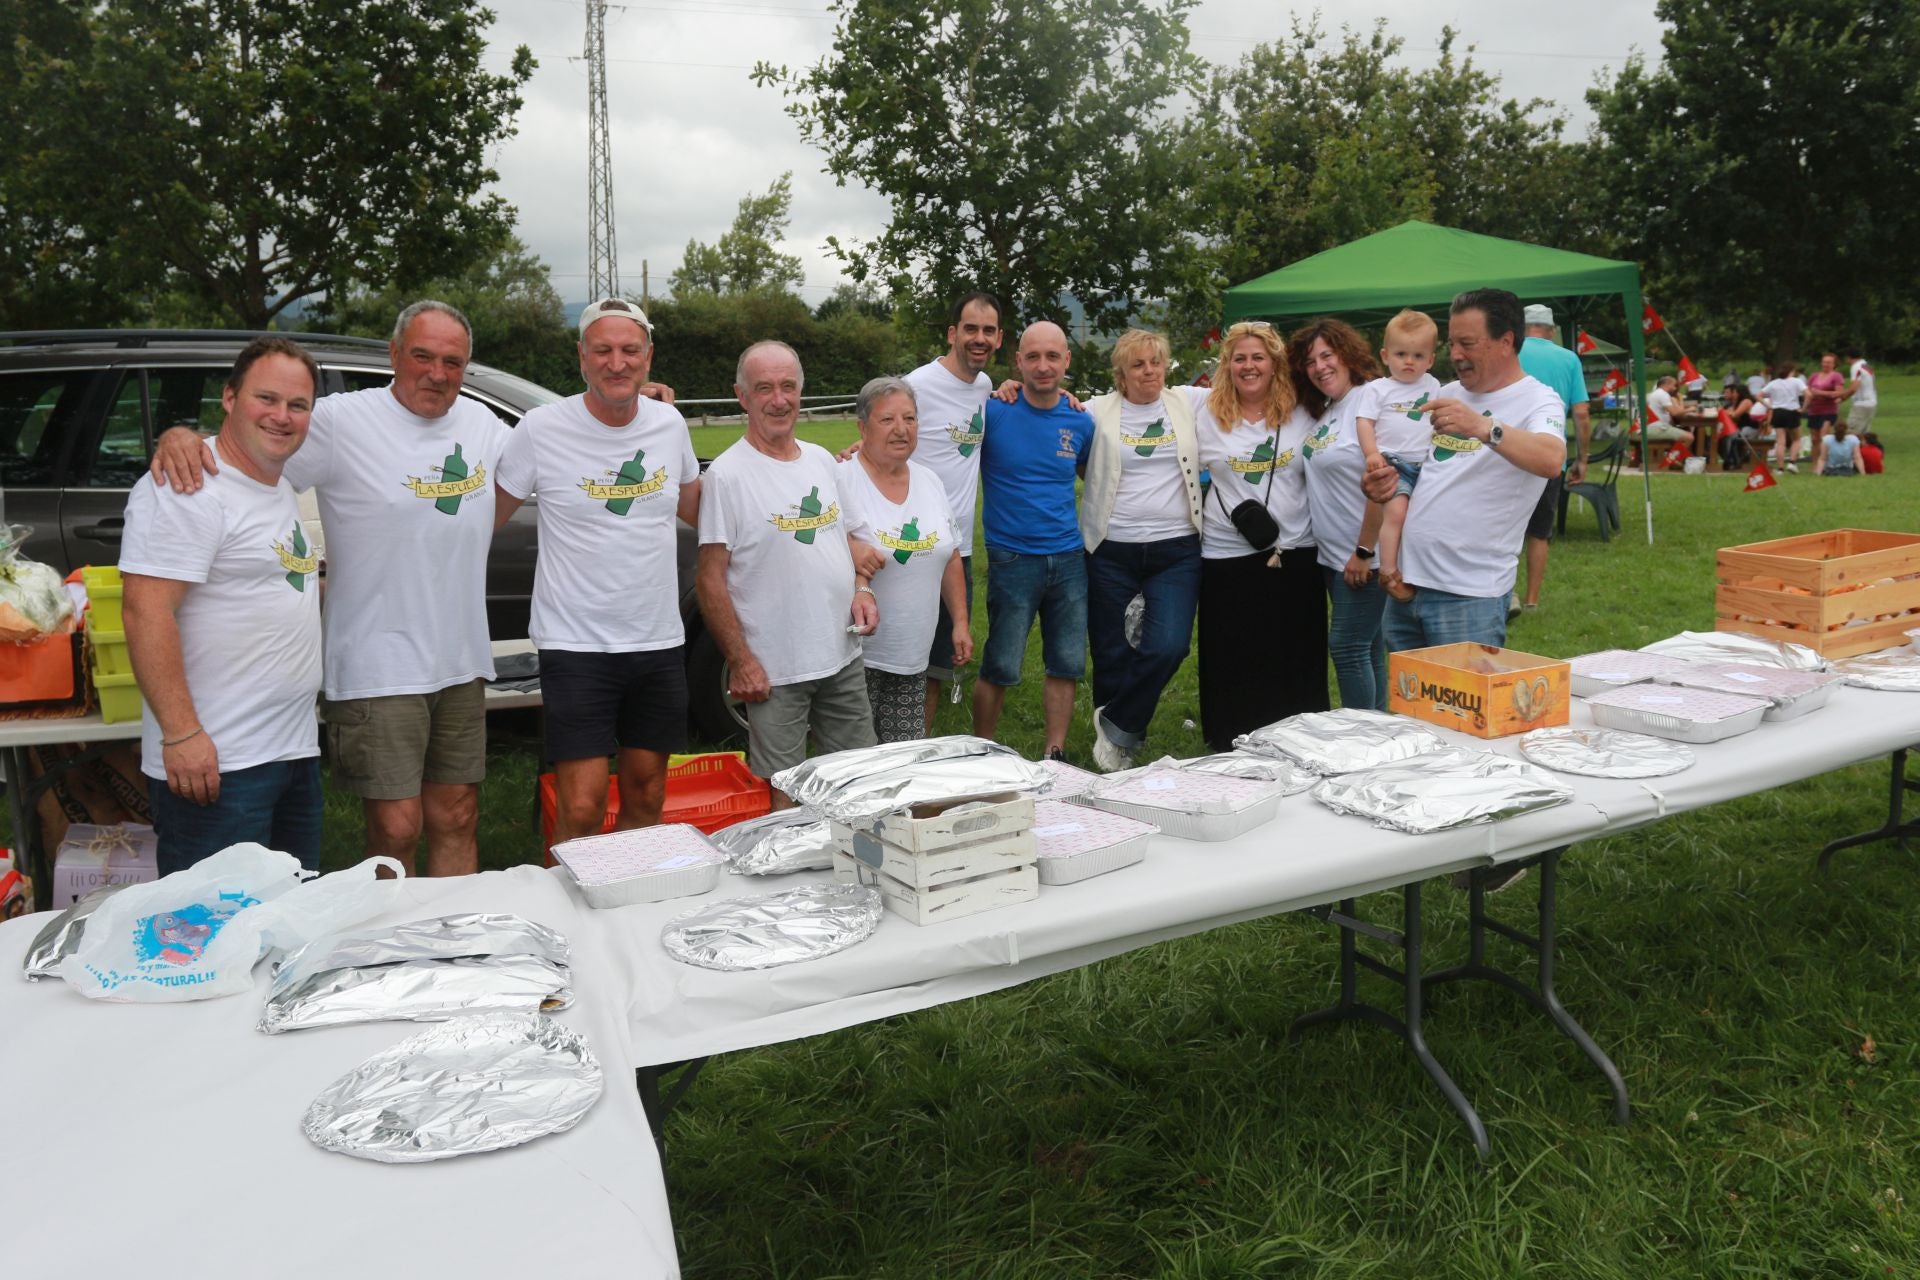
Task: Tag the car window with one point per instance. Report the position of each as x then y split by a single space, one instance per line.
187 397
362 379
499 411
122 455
38 408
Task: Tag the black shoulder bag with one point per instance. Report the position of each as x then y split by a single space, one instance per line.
1251 518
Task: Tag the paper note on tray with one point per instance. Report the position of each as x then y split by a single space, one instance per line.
1058 829
683 860
1652 698
1608 675
1158 784
1744 677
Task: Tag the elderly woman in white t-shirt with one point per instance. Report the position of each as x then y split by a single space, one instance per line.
1140 520
903 536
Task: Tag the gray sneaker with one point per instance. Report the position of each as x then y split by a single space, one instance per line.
1108 755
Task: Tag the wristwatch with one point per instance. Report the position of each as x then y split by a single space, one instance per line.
1365 553
1495 434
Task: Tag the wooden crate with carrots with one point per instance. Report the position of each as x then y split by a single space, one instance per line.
1841 592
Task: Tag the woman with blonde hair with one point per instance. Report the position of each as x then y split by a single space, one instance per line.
1263 604
1140 520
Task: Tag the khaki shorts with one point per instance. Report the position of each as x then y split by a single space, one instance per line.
1860 418
833 708
385 748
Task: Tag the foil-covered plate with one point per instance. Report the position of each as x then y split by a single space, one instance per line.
421 971
1334 742
61 936
465 1086
1889 670
771 929
858 786
1605 753
1455 787
780 842
1293 778
1735 646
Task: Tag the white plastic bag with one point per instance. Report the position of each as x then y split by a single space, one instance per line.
198 933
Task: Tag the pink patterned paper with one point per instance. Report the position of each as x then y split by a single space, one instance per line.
1068 780
1618 666
1184 791
1063 830
622 855
1760 682
1702 706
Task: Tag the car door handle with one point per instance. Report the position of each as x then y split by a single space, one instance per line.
110 531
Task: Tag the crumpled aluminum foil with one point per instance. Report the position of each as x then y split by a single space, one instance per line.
1334 742
1891 670
1735 646
1605 753
771 929
1293 778
465 1086
789 840
421 971
1451 788
858 786
61 937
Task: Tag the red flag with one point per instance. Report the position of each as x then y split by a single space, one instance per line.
1585 344
1689 372
1675 458
1204 380
1212 339
1612 382
1650 321
1760 478
1728 426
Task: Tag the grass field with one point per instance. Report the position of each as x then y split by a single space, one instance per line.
1146 1116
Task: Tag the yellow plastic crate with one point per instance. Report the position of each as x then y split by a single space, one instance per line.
103 609
119 698
109 653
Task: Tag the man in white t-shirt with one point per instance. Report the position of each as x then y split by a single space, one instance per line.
776 579
402 475
611 469
951 393
1861 396
223 628
1498 435
1661 428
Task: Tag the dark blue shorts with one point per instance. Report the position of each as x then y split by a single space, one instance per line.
1020 586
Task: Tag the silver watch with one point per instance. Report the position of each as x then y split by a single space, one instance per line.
1495 434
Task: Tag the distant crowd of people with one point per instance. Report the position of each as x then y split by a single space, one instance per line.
1770 410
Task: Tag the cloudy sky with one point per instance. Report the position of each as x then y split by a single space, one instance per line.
691 133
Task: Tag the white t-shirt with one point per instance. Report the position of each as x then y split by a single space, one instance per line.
1151 502
1469 514
1388 401
1335 466
1781 393
606 580
1239 465
1865 396
1660 406
1755 385
250 622
790 574
407 503
917 539
953 422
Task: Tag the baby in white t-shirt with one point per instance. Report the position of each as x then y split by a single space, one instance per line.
1391 426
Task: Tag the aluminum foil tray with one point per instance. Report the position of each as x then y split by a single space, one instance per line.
1889 670
1077 842
1611 668
465 1086
1792 693
1734 646
770 929
1192 806
61 936
1330 742
1670 711
1456 787
646 864
1069 781
1605 753
858 786
1290 777
780 842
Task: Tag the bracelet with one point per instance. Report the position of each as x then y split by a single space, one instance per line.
184 738
868 590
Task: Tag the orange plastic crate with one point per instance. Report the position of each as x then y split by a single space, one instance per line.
43 670
708 792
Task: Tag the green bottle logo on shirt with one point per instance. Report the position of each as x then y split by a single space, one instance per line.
966 439
454 468
1446 446
1322 440
1414 411
811 518
294 558
455 483
631 472
1147 441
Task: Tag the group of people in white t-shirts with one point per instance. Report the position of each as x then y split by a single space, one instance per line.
1783 401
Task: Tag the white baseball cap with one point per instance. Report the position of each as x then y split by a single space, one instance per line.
1539 313
614 307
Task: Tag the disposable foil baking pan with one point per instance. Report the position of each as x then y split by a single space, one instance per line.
645 864
1735 646
1605 753
770 929
1592 673
1455 787
1792 693
1670 711
1331 742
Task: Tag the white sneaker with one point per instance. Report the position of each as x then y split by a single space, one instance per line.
1792 468
1108 755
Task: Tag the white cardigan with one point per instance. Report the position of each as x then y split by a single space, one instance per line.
1103 461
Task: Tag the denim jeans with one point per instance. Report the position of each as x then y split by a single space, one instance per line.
277 805
1355 642
1441 617
1018 587
1127 681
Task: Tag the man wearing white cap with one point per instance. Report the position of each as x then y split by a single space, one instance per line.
1545 360
612 469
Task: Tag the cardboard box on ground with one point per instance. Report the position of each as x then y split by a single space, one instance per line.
107 791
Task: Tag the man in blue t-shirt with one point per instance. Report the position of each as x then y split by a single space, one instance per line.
1545 360
1036 560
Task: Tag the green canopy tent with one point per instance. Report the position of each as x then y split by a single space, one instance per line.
1419 265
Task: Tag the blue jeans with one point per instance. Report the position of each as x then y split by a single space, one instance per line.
1019 586
277 805
1127 681
1355 643
1441 617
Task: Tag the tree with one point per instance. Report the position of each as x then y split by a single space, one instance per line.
1022 145
745 260
263 151
1770 163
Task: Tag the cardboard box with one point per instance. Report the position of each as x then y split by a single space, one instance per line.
948 902
927 827
1479 689
91 856
1842 592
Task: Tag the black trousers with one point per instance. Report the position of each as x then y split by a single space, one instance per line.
1263 642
